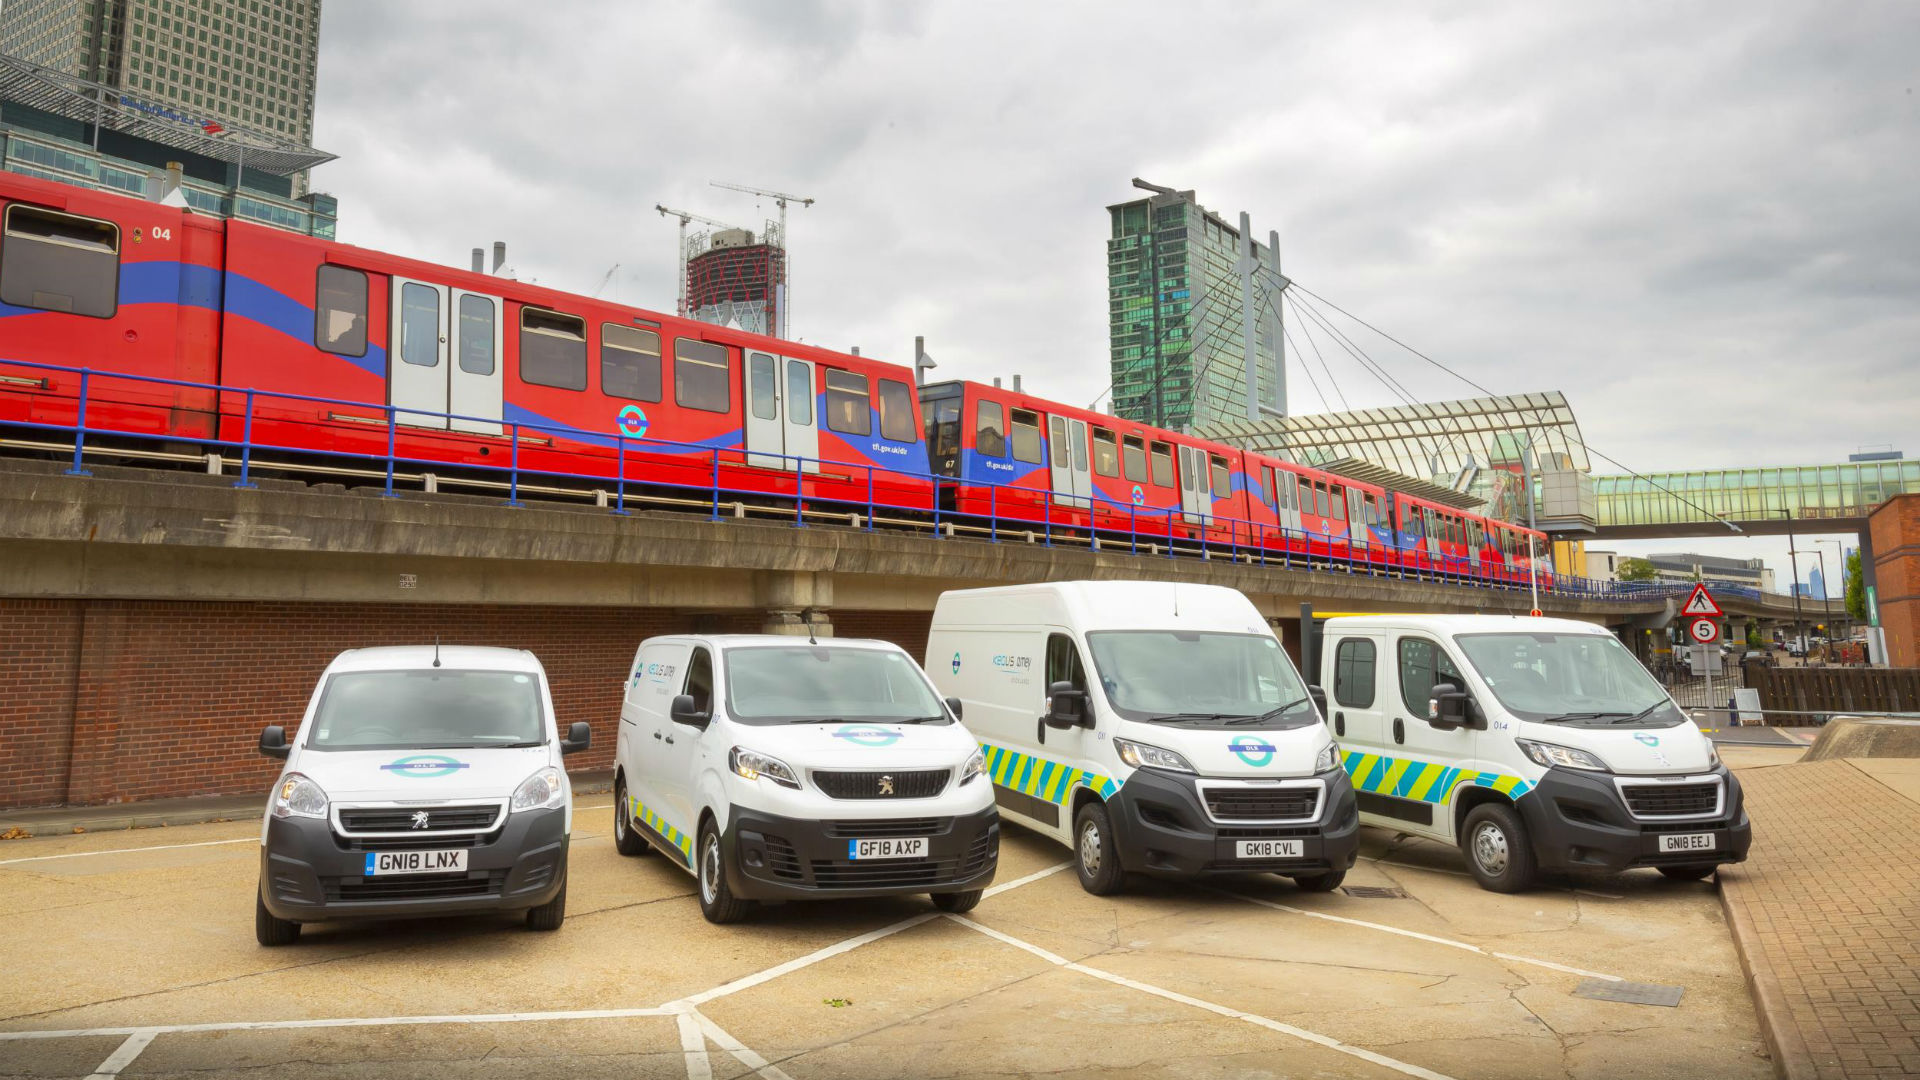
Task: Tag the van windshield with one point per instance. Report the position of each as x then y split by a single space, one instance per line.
821 683
1589 680
433 709
1234 680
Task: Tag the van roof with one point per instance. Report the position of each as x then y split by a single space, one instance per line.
458 657
751 641
1095 604
1467 624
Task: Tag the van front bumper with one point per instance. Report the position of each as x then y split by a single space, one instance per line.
1162 828
1580 822
769 857
308 874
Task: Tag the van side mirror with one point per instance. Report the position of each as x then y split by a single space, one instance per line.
1066 706
273 742
684 711
953 706
1319 697
579 737
1449 707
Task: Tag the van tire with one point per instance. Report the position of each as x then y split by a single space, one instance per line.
1095 859
550 915
626 839
1689 872
717 902
1326 882
1499 852
269 929
954 903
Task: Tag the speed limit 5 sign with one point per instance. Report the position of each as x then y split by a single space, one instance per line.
1704 631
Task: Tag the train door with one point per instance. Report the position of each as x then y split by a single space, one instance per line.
475 382
1475 538
1072 476
780 423
1357 518
417 362
1194 485
1287 498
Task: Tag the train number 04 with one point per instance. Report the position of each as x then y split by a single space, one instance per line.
160 232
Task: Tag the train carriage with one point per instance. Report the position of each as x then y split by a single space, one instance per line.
1314 513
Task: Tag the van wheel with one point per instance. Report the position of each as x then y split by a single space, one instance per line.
1498 850
1094 856
1691 872
957 902
550 915
717 902
626 839
1326 882
270 930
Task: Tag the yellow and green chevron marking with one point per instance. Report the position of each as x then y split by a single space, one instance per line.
638 810
1423 781
1049 781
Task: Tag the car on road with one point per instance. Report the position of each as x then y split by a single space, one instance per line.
1530 743
1153 728
781 768
421 781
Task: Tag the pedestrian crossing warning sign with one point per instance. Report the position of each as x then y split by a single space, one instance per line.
1700 602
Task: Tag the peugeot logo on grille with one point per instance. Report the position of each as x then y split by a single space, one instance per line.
419 819
886 785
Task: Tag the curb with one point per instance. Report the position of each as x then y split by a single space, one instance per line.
1791 1058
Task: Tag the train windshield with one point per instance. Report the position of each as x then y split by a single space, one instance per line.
942 417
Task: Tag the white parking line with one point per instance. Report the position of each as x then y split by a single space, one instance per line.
340 1022
725 1041
1464 874
748 982
127 850
124 1056
1220 1010
694 1045
1029 879
1385 929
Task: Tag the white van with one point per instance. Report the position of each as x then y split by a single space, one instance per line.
775 768
1531 743
421 781
1151 727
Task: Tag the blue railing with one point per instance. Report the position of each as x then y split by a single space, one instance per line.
1157 530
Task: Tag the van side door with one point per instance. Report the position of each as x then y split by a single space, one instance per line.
679 748
658 675
1421 763
1357 700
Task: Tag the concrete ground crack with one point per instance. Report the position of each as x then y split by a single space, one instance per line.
911 1018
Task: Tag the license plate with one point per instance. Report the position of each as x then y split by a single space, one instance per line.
1269 849
416 862
1699 841
893 848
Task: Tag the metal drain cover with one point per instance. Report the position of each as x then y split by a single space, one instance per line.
1374 892
1632 993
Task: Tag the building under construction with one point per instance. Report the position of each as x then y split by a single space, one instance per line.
734 282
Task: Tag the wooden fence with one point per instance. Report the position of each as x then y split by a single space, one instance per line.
1834 690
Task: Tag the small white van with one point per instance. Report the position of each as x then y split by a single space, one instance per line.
778 768
1153 728
1531 743
421 781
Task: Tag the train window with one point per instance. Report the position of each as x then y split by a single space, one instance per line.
1369 510
990 431
943 432
1026 438
419 325
59 262
762 396
1222 478
1323 506
476 334
799 393
896 412
1305 505
340 311
1059 429
629 362
1339 497
1162 464
1133 449
849 408
1267 490
553 349
1106 453
1079 433
700 376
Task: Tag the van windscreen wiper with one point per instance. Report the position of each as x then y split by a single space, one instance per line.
1181 717
1579 716
1641 715
1272 714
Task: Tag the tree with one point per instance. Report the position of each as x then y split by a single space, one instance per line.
1856 588
1635 570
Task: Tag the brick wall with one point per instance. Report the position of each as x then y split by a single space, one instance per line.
1895 531
115 701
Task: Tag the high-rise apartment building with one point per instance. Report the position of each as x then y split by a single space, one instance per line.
1175 298
732 282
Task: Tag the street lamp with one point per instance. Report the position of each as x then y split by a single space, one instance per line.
1826 600
1799 620
1840 559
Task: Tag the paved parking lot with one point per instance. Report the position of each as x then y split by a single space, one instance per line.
132 954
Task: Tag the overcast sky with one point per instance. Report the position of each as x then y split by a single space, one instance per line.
1699 221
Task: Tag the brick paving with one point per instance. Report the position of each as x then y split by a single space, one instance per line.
1826 916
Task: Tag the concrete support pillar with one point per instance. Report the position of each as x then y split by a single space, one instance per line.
796 602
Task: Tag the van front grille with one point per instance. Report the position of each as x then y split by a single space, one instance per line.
351 890
377 819
873 784
890 827
1671 800
1262 804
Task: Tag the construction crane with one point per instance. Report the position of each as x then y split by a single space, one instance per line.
611 270
686 216
780 199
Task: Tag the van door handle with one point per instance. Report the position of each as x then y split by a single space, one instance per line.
669 740
1399 730
656 734
1339 723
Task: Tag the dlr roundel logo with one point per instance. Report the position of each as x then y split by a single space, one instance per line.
1252 751
633 421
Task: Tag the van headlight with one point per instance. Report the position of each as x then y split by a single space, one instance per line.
1713 752
544 790
299 796
976 765
754 765
1143 756
1325 760
1547 755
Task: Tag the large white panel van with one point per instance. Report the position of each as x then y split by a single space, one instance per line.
776 768
1153 728
1531 743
